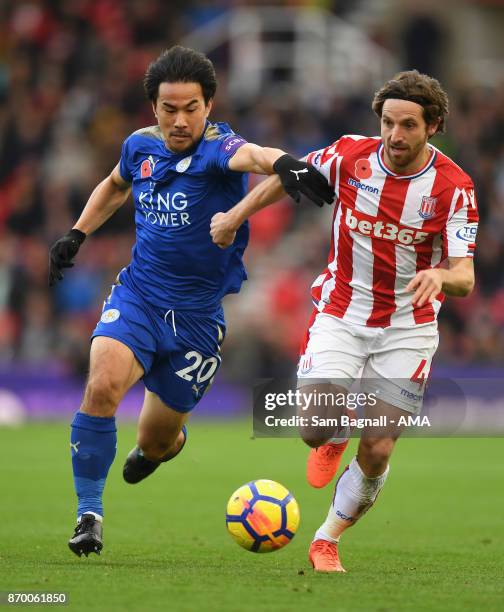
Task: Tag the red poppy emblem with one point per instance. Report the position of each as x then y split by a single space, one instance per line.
146 169
363 169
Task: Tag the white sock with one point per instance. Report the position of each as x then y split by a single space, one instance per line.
98 517
354 495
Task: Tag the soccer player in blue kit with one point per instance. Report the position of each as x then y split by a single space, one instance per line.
163 320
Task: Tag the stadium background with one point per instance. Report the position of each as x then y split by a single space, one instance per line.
295 75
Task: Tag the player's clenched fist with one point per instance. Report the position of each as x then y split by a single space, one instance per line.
62 252
298 178
222 230
427 284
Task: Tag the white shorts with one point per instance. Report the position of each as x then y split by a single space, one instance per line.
392 362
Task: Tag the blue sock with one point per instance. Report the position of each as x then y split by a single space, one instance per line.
93 443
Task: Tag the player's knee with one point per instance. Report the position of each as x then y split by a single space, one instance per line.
376 451
312 438
102 396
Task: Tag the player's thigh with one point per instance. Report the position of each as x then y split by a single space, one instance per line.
113 369
158 424
187 361
398 368
336 351
122 349
394 382
334 357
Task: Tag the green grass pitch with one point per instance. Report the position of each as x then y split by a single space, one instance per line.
434 540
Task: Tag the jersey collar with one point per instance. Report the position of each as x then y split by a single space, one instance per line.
423 170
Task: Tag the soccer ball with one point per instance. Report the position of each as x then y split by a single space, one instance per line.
262 516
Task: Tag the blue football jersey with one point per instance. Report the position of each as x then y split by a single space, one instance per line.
175 264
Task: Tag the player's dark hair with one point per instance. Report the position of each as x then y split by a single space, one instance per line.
181 65
416 87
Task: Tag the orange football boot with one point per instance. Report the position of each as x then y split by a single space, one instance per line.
323 463
324 557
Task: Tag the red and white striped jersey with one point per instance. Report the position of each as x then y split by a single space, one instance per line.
386 228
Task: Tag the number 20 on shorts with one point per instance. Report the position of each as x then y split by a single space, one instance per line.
202 369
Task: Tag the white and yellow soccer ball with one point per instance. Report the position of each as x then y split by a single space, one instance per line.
262 516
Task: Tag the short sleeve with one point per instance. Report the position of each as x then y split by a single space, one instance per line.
328 160
323 160
462 226
224 150
125 162
319 158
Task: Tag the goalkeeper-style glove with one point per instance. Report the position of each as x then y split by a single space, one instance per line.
298 178
62 252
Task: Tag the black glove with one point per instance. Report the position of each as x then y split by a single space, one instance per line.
62 252
299 177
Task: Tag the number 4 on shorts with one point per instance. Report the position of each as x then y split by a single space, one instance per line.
419 375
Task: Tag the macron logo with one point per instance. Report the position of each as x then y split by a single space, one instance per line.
74 446
296 172
353 183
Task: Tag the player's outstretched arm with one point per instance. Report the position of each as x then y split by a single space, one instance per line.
107 197
297 177
224 226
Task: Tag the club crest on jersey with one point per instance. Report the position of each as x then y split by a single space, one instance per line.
111 315
427 207
147 167
363 169
183 164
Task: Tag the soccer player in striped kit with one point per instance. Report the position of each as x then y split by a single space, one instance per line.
403 237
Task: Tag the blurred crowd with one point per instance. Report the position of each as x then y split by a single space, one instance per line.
71 91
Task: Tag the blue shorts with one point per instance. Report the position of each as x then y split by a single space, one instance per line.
178 350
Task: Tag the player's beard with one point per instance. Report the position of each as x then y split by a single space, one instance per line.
179 145
405 156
